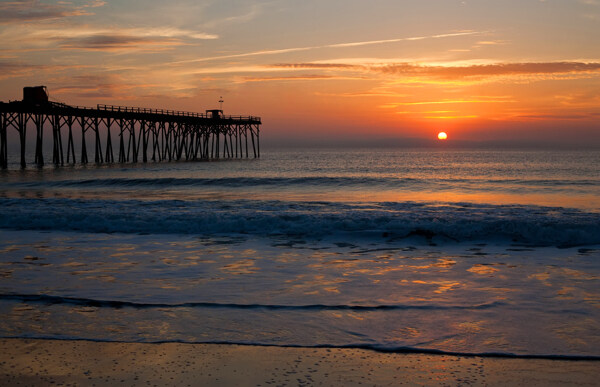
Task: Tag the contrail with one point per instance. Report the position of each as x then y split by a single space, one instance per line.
335 45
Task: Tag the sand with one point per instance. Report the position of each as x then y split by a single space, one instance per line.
57 362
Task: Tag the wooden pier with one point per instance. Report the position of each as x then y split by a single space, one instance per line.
143 134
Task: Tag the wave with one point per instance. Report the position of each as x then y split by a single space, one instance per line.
336 181
439 222
368 347
75 301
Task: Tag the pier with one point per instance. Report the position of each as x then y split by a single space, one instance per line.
143 134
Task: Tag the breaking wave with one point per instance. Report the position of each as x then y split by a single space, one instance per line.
440 222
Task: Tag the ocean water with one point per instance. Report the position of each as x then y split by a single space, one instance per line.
456 251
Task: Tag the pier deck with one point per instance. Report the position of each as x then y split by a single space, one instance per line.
143 134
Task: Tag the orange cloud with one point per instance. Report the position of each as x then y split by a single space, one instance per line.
11 69
457 72
501 69
307 77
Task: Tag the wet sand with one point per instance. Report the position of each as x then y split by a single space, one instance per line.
57 362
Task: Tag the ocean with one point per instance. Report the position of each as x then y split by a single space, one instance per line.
400 250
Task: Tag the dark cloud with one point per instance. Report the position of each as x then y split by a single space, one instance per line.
27 11
108 42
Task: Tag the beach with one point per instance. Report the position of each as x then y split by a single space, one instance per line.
309 267
67 362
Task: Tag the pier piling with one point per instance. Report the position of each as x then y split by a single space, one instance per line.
168 135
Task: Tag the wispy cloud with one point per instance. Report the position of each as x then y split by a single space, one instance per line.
500 69
35 10
448 102
252 13
306 77
12 69
556 116
84 37
451 71
335 45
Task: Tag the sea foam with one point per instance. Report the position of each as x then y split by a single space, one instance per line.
441 222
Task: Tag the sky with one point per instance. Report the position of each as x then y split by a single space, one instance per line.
489 71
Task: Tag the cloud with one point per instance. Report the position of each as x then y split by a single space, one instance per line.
337 66
491 42
251 14
501 69
453 72
95 4
12 69
335 45
448 102
94 86
29 11
15 69
84 37
557 116
113 42
307 77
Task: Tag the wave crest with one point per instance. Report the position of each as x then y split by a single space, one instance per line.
442 222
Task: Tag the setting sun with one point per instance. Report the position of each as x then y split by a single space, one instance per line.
442 136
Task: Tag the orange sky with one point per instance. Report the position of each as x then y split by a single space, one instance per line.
501 71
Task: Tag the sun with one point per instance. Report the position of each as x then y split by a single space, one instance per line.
442 136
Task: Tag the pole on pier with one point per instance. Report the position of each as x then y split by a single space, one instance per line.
22 123
98 148
218 140
143 140
240 141
109 151
70 145
258 139
39 139
55 133
246 136
135 148
60 147
131 129
83 123
3 142
212 147
253 146
121 141
225 146
235 135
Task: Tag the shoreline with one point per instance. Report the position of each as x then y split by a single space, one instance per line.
80 362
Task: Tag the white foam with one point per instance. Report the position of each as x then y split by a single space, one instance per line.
531 225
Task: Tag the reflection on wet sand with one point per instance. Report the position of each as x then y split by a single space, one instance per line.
462 298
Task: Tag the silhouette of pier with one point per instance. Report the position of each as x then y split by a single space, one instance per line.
143 134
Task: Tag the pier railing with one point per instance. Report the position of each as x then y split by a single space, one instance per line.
129 109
